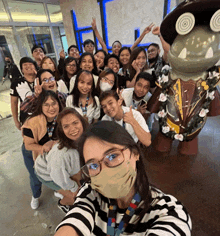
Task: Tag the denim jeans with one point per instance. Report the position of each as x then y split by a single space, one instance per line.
29 163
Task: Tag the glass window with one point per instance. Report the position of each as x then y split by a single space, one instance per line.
3 14
27 12
36 35
55 13
8 45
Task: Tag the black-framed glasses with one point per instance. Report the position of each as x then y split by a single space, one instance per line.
69 66
108 80
48 80
112 159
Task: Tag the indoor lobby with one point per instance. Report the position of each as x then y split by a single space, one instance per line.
56 24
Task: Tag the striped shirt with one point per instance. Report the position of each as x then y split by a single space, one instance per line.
166 216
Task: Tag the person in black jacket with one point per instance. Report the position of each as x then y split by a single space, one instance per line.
11 70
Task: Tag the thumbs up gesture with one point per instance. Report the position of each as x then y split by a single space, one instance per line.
38 88
128 117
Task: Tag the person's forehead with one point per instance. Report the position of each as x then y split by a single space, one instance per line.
109 76
143 82
108 99
74 49
38 49
117 44
69 118
152 48
27 64
46 74
112 59
87 57
71 63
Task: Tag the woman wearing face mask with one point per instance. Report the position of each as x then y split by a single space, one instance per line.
83 98
86 62
107 81
69 70
59 169
117 200
39 135
137 64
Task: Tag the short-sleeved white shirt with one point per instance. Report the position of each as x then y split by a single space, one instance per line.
93 112
137 116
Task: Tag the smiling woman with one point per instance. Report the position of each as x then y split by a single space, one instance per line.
58 169
117 200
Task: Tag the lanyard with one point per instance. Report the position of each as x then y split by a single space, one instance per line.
51 129
111 229
84 109
123 123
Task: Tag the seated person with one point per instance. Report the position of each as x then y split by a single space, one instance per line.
129 118
118 200
138 96
59 169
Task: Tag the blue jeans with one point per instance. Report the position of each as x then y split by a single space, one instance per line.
29 163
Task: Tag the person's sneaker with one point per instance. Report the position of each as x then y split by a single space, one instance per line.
34 203
64 208
59 195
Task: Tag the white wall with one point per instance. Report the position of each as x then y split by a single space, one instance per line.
123 17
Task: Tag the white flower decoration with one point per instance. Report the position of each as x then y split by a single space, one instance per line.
166 67
210 95
164 78
163 97
178 137
162 113
165 129
213 74
203 112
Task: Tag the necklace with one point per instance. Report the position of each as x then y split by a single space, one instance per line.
50 129
164 82
111 226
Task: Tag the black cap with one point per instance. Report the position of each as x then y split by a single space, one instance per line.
202 10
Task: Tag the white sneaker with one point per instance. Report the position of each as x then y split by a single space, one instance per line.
34 203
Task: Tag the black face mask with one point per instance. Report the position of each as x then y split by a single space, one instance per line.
152 60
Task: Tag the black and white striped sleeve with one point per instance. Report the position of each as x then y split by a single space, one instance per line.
168 217
82 215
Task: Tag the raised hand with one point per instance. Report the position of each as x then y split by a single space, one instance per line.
62 54
119 92
94 26
156 30
38 88
135 66
148 28
128 117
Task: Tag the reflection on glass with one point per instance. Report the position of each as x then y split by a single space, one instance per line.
27 12
3 14
36 35
55 13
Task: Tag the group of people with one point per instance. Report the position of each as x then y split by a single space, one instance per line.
85 124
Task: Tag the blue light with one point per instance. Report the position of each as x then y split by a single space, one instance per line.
168 6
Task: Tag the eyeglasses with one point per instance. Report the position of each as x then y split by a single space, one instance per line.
71 66
113 159
108 81
48 80
47 105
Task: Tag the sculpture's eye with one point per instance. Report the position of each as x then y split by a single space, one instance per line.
215 22
185 23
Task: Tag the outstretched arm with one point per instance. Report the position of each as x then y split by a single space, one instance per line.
165 45
146 31
101 41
